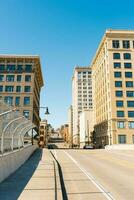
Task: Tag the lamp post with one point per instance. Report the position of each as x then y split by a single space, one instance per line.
46 113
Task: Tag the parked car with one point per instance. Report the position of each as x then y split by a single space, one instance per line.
87 147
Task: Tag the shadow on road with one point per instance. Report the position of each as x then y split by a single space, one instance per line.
11 188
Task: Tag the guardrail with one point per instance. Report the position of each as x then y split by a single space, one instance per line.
13 128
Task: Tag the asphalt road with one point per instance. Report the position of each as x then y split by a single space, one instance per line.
97 174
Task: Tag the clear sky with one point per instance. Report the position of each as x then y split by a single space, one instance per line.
64 33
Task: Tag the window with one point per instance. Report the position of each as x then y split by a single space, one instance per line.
10 68
126 44
131 124
119 93
20 68
27 78
18 88
89 72
9 88
116 44
10 78
116 55
119 103
2 68
118 83
117 74
17 101
18 78
28 68
120 113
1 78
117 65
26 101
27 89
128 74
129 83
127 56
130 113
130 103
9 100
128 65
130 93
1 88
121 139
26 113
120 124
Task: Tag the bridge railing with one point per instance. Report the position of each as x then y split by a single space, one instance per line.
14 128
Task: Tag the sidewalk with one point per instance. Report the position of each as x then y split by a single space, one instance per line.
35 180
44 181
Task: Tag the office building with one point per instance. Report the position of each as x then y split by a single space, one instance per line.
20 84
113 88
81 97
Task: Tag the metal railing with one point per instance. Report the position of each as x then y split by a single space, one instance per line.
14 128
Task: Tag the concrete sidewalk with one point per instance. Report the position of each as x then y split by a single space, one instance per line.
35 180
44 184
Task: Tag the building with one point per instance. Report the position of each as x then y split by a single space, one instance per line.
113 88
81 97
20 84
43 133
86 127
70 125
64 132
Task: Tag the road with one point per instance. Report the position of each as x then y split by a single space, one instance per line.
97 174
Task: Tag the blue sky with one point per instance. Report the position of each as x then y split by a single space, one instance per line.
64 33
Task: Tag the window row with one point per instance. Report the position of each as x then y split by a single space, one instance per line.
119 74
122 113
119 93
122 44
12 78
121 104
10 100
14 68
127 65
127 84
12 88
126 56
122 139
122 124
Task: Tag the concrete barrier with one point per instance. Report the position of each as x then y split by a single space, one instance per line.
120 147
11 161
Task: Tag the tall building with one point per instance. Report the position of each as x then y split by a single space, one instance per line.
81 97
70 125
20 84
113 87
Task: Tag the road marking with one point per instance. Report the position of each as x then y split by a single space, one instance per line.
92 179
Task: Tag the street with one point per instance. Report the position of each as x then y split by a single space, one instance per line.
97 174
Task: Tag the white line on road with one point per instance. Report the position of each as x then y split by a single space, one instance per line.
92 179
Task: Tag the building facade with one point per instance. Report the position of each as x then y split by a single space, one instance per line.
86 127
81 97
43 133
70 125
113 88
20 84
